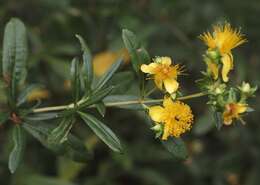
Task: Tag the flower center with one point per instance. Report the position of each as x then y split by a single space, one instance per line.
165 70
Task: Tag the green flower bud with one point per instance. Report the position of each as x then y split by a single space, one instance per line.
157 128
246 89
213 54
218 91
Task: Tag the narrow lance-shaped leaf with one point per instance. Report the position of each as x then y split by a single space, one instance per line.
42 116
72 148
87 69
17 153
218 119
102 131
14 54
61 132
232 95
108 75
101 108
203 124
122 79
98 96
75 79
137 52
176 147
138 55
3 117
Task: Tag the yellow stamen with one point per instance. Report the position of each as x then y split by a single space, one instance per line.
164 73
176 117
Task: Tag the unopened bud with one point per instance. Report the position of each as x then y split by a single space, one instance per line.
173 96
218 91
213 54
247 90
157 128
245 87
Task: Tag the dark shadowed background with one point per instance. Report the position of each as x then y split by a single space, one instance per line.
167 28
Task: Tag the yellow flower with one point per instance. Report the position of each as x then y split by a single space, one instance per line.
213 68
233 111
164 73
38 94
227 61
103 61
223 39
176 117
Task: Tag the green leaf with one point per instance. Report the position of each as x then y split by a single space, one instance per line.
98 96
26 92
16 155
218 119
176 147
75 79
138 56
122 81
204 124
83 44
14 54
4 116
250 109
60 134
114 99
232 95
76 150
101 108
41 131
72 148
87 69
137 52
107 76
102 131
42 116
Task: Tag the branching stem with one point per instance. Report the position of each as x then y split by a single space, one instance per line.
114 104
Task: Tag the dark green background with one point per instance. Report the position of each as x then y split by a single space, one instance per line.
167 28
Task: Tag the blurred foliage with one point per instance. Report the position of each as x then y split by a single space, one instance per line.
168 27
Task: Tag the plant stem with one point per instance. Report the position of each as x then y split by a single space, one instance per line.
112 104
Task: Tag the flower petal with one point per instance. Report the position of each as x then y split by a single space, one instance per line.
208 39
166 61
227 61
166 131
227 120
213 68
241 108
171 85
167 102
158 81
151 68
156 113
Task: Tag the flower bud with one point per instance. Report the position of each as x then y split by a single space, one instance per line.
173 96
157 128
218 91
246 89
213 54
